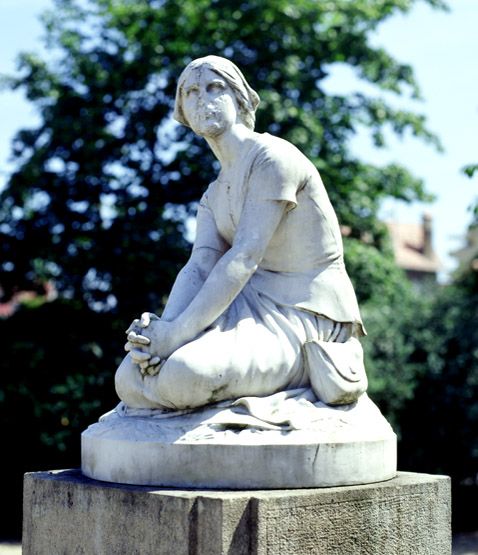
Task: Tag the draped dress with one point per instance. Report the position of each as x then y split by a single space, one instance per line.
300 291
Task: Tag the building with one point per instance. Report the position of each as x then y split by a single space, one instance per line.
467 256
413 248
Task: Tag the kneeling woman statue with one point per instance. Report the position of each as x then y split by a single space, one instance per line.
264 303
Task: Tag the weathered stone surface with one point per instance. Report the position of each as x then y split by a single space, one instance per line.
65 513
349 445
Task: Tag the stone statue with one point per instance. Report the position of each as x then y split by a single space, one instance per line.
253 376
266 275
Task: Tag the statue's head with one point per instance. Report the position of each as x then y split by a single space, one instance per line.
246 97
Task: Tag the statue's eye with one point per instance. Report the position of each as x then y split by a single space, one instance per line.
216 86
192 91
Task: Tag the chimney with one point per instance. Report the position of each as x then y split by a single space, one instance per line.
427 235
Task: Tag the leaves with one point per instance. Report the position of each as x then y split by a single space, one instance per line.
470 169
99 173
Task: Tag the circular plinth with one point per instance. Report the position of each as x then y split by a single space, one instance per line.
349 447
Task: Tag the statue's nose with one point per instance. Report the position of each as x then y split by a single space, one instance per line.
201 99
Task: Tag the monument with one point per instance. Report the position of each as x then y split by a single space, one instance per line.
244 426
256 357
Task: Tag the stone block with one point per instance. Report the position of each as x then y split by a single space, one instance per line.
67 513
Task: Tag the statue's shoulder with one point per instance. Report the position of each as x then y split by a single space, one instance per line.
274 149
275 144
283 158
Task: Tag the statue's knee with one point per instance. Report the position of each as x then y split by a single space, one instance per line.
124 377
170 386
185 383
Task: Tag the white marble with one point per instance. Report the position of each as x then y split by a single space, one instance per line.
266 279
253 375
225 447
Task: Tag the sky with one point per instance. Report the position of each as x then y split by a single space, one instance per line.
442 48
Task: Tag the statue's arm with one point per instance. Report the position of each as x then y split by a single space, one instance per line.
190 280
208 248
221 279
259 220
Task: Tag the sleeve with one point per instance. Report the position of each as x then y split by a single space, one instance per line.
207 234
277 174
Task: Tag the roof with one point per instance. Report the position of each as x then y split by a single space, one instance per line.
409 245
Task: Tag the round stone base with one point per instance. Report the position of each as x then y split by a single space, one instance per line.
184 451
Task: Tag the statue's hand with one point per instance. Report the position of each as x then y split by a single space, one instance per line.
158 338
139 324
151 340
139 346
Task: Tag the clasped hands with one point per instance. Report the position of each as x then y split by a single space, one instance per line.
150 341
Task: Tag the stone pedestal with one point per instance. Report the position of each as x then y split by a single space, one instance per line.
65 512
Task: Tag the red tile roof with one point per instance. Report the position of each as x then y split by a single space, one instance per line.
410 248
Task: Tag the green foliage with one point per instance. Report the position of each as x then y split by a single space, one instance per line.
443 417
438 336
396 350
394 314
57 378
470 169
103 185
374 273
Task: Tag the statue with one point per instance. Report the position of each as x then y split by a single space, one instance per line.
259 341
266 274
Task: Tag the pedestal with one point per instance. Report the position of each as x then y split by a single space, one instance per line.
345 446
65 512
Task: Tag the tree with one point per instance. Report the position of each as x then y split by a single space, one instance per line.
54 384
103 187
439 423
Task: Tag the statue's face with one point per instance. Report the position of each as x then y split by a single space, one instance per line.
208 103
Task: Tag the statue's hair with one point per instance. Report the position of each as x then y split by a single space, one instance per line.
246 97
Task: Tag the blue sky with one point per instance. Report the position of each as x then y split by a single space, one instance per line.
441 47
